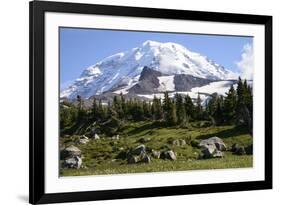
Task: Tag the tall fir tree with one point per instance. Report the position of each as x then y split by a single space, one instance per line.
189 107
218 114
156 109
94 109
180 110
199 108
230 104
82 113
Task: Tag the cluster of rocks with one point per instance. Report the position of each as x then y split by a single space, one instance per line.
241 150
83 140
115 137
179 142
71 155
212 148
140 154
137 155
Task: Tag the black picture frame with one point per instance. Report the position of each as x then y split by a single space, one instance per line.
37 10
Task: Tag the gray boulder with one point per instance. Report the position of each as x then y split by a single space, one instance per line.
234 147
70 152
133 159
138 150
73 162
240 151
218 142
249 149
137 154
145 159
209 150
95 137
169 155
142 158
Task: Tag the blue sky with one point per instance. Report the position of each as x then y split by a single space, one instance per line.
80 48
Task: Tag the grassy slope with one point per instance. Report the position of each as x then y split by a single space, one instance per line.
101 156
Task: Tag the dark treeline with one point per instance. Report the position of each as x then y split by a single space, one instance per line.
236 107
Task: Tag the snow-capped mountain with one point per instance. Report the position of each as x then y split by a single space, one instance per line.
122 71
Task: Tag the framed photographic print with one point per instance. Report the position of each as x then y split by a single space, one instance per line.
141 102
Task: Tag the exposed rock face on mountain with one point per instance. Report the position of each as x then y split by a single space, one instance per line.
152 81
148 82
176 69
187 82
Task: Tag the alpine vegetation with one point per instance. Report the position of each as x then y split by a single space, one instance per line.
156 107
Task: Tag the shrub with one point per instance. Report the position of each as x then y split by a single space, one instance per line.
195 143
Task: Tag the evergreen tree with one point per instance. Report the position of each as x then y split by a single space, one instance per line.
218 114
167 107
244 104
198 108
101 111
212 104
95 109
189 107
123 107
146 109
68 115
180 109
230 104
170 111
173 113
117 106
156 109
82 114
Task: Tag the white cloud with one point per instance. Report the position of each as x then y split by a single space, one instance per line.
246 64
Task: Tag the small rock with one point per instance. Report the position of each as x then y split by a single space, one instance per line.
176 142
249 149
156 154
83 140
115 137
84 137
73 162
182 142
115 149
240 151
234 147
96 136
